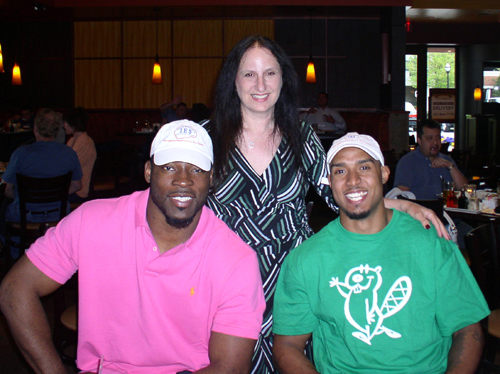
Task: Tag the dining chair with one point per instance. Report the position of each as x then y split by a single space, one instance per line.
483 245
34 190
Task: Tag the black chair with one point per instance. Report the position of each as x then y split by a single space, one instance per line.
483 244
436 205
33 190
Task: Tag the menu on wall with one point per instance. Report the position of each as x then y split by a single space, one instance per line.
442 105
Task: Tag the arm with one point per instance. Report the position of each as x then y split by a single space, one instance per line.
20 294
456 175
175 101
288 353
228 354
75 186
466 350
9 190
419 213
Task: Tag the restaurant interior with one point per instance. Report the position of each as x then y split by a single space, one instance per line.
99 55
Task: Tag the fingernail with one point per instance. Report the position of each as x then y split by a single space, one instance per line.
428 227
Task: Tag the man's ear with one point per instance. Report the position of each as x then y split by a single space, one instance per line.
147 171
385 173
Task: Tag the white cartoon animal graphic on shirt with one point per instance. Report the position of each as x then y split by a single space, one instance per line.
361 285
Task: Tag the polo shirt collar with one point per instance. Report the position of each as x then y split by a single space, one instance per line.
195 242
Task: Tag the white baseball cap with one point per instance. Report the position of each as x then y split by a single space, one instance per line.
183 141
355 140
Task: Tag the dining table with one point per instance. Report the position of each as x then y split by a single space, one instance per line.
474 218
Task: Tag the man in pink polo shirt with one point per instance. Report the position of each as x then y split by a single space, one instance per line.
164 285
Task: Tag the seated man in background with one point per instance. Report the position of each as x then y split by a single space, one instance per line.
164 285
423 170
377 292
328 119
43 159
169 114
75 125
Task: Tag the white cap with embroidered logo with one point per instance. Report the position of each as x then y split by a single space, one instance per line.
355 140
183 141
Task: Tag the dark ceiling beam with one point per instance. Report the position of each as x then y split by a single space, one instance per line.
133 3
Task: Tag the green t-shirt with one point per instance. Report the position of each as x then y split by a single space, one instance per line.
387 302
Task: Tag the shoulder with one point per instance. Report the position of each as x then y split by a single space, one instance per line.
310 248
219 237
410 229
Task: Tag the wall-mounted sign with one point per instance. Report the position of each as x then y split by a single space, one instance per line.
442 105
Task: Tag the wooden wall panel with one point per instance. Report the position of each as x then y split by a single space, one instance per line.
98 39
98 84
194 79
235 30
138 91
139 39
198 38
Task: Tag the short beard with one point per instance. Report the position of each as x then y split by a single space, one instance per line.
356 216
179 223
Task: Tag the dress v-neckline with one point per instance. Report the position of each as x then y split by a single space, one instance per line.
250 167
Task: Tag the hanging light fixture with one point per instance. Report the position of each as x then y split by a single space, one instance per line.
16 75
478 94
1 60
157 67
311 71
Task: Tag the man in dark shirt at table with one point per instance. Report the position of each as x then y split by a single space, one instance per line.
423 170
377 292
42 159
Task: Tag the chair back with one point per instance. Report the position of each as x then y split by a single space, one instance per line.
483 245
436 205
34 190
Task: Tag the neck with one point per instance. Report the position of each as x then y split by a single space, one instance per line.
372 224
166 236
77 134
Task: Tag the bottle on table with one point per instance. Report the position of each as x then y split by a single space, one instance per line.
463 202
451 198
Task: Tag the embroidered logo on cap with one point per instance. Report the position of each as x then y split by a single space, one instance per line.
183 132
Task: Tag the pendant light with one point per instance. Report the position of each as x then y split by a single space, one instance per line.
311 72
16 75
157 67
477 94
1 60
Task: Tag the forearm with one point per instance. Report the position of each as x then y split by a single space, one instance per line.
291 360
458 178
220 369
466 350
30 328
21 306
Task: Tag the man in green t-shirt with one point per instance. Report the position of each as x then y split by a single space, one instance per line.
377 292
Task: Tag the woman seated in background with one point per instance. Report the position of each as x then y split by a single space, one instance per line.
75 123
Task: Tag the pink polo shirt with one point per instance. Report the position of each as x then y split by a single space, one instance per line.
142 311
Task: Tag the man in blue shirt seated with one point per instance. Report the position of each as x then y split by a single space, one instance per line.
423 170
377 291
43 159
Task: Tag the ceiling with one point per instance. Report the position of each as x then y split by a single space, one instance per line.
425 11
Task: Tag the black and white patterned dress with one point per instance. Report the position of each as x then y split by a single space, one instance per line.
268 212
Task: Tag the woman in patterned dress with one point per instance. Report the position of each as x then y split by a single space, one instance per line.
264 162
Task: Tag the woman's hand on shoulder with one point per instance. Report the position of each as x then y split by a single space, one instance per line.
424 215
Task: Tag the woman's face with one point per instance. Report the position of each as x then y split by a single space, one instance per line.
258 82
67 128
